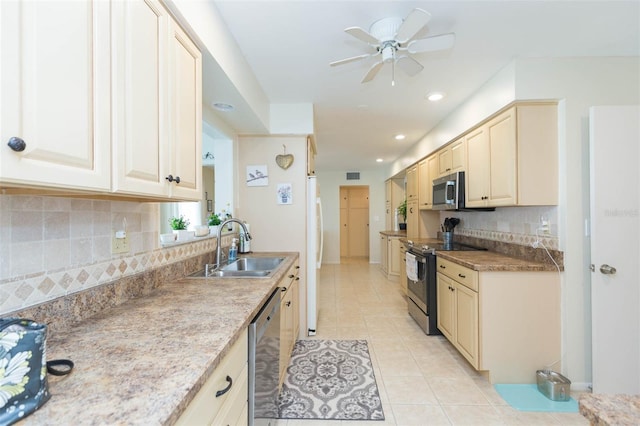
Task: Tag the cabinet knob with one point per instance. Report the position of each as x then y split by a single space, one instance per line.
17 144
288 303
170 178
462 276
291 276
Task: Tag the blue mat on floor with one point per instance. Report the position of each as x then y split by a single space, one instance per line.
529 398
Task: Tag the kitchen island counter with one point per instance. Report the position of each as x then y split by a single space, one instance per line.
143 361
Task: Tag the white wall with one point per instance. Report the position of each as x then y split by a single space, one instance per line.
330 183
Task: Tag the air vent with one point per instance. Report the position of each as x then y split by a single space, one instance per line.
353 175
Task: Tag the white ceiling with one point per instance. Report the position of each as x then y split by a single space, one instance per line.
289 45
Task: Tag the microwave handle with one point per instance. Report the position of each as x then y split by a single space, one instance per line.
450 183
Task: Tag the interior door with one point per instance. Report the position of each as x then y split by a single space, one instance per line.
615 248
354 218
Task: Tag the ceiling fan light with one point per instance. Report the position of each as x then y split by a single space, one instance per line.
435 96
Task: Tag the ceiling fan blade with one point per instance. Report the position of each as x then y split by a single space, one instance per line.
347 60
413 23
372 72
409 65
362 35
430 44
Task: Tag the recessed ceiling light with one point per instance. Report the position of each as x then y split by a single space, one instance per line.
399 137
434 96
379 160
221 106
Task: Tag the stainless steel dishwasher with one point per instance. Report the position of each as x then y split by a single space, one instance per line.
264 358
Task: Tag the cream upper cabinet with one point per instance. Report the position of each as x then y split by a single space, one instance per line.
424 190
141 134
478 174
55 103
412 183
110 100
452 158
185 115
427 172
158 112
513 158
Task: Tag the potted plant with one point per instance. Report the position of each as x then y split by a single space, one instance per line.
179 225
402 211
214 221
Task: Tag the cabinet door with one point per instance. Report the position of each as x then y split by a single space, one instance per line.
477 176
185 100
445 306
388 218
413 220
403 267
412 183
466 323
425 187
444 161
394 260
384 254
140 31
286 331
459 155
502 149
55 87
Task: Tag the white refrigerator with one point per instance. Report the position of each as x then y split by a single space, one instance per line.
314 252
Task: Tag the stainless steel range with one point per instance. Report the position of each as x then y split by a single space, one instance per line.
421 282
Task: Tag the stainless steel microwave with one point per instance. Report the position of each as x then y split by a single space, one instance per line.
448 192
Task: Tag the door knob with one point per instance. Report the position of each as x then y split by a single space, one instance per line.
607 270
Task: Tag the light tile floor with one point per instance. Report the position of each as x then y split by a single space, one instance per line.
422 379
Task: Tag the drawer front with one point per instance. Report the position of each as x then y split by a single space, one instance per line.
290 276
205 405
236 409
459 273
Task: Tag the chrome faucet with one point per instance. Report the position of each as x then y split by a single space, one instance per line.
220 228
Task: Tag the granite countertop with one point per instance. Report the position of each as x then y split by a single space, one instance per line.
482 260
392 233
142 362
616 410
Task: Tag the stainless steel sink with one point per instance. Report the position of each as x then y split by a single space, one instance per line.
254 264
245 267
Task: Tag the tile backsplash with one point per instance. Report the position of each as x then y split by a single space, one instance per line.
55 246
513 225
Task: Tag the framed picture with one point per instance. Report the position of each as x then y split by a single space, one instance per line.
285 195
257 175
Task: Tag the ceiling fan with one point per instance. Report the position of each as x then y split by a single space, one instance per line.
393 39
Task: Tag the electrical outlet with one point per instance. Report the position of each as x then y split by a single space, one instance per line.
544 225
119 242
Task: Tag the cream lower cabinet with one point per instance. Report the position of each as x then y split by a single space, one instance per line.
402 250
55 103
384 254
289 317
505 323
222 400
389 249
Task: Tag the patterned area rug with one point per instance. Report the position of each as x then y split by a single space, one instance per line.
330 379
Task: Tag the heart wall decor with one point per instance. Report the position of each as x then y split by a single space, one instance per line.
284 160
